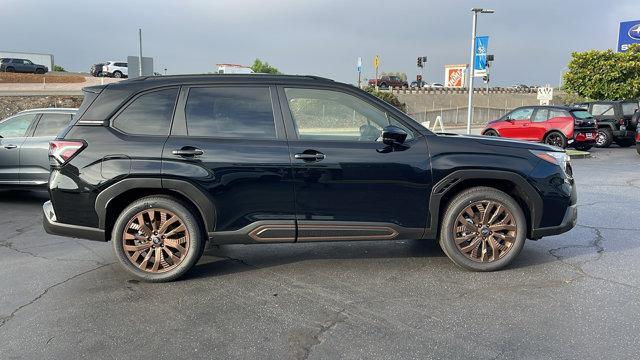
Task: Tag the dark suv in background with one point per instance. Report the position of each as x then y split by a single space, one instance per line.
160 165
22 66
615 121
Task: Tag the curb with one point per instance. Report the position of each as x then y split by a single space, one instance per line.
577 154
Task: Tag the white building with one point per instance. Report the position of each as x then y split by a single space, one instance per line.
40 59
233 69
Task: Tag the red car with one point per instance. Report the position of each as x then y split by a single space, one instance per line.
554 125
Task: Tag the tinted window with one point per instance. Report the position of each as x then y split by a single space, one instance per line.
333 115
582 114
17 61
16 126
4 61
148 114
28 62
541 115
629 108
230 112
602 109
521 114
51 124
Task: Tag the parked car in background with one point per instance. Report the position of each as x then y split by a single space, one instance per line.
116 69
389 81
435 86
636 119
554 125
24 145
96 69
21 66
520 87
274 158
615 121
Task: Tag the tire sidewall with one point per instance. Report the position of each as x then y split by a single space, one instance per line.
196 237
465 199
608 135
564 138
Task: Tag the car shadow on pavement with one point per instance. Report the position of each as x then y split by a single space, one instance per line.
229 259
24 196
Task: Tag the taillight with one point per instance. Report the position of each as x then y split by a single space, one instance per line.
638 137
63 150
621 122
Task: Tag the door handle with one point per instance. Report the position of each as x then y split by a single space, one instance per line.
310 157
10 146
187 152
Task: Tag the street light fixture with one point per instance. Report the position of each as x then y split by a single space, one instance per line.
475 12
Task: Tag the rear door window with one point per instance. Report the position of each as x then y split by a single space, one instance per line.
16 126
541 115
148 114
628 109
230 112
51 124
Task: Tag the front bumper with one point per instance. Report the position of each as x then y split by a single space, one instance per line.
53 227
568 222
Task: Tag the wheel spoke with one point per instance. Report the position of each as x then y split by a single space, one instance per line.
500 227
137 247
176 230
167 223
176 245
145 261
157 260
461 239
471 245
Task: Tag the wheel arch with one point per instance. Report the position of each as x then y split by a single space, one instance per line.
111 201
511 183
493 129
552 131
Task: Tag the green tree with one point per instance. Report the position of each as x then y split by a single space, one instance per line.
58 68
604 75
263 67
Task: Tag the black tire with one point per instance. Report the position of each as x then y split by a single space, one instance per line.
10 69
604 138
117 74
556 138
625 142
491 132
194 233
467 198
40 71
382 85
583 147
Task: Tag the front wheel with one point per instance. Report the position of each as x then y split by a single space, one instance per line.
40 71
157 239
491 132
117 74
483 229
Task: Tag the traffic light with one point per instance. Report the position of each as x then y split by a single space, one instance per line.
485 78
420 62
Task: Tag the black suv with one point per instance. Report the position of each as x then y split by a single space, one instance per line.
160 165
615 121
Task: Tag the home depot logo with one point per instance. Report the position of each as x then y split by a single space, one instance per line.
454 77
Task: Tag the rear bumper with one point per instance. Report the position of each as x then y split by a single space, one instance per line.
53 227
624 134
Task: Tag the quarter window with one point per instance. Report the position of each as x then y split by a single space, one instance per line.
333 115
558 114
230 112
16 126
148 114
51 124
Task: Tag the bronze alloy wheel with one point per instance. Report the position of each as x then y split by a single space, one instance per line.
485 231
156 240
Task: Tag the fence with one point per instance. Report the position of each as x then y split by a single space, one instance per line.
452 117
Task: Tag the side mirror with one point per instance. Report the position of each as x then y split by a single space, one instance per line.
393 135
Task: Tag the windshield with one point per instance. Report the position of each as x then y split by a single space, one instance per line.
582 114
629 108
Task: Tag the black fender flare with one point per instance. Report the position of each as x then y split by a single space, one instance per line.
528 193
197 196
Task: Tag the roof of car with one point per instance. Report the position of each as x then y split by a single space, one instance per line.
561 107
257 77
49 110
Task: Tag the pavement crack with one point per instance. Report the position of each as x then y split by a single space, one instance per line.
324 327
6 319
10 246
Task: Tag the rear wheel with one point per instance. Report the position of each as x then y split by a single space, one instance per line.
604 138
625 142
483 229
157 239
491 132
10 69
556 138
117 74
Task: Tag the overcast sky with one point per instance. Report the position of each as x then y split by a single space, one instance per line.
532 40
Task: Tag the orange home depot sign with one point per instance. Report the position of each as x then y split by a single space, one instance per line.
454 75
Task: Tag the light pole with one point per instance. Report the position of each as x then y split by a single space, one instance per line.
140 55
472 61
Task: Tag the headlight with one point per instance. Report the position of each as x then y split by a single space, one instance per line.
555 157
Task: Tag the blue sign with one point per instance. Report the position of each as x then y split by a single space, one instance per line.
480 60
629 34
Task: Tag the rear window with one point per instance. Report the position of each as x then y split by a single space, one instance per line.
148 114
629 108
4 61
50 124
230 112
581 114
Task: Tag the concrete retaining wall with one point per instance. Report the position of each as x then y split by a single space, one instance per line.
10 105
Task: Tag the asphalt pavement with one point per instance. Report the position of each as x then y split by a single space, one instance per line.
572 296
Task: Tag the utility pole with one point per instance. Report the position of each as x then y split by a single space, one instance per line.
140 56
472 62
